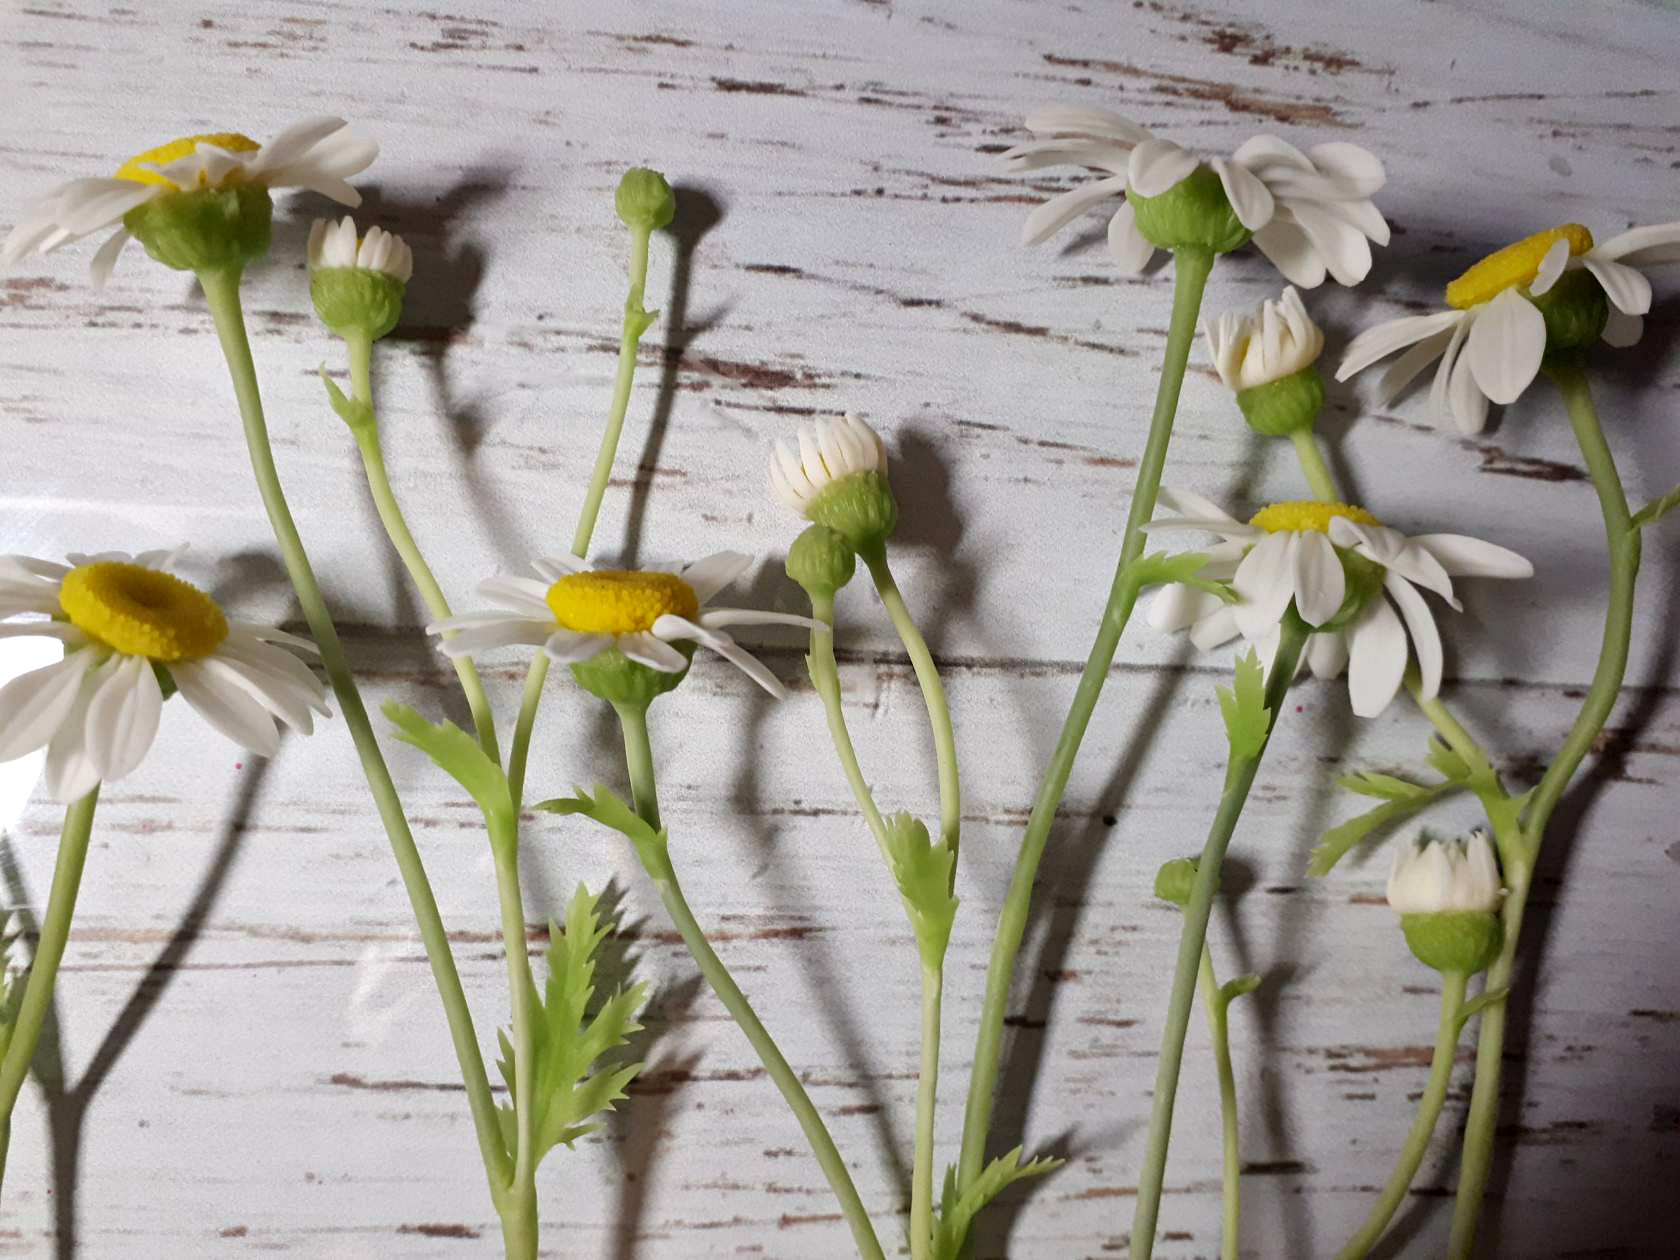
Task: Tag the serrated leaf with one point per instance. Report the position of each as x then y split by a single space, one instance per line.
1237 986
1247 719
954 1221
458 755
1656 509
1383 786
922 869
1471 769
1182 569
354 412
1478 1004
1334 845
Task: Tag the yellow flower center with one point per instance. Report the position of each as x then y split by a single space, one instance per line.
1514 265
1303 515
164 154
142 612
619 601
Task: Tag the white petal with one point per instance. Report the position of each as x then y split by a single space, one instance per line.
568 646
34 705
1642 246
278 694
269 634
670 627
1376 658
652 651
1327 653
1627 288
294 141
1405 369
1291 252
717 618
122 718
1157 165
1107 155
99 270
1507 340
1250 198
1454 394
1130 248
99 203
1219 626
70 771
1265 153
525 596
555 567
1189 503
63 631
1382 340
1551 267
1622 330
1319 581
1047 219
1462 556
1420 623
1418 566
712 574
1356 170
227 707
489 635
1265 583
1175 607
1087 120
1344 248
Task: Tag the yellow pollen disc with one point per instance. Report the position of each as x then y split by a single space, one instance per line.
142 612
1302 515
619 601
1514 265
164 154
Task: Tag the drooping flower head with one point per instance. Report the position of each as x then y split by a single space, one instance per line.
1350 578
1557 289
130 630
357 284
647 617
837 477
1447 893
318 154
1310 213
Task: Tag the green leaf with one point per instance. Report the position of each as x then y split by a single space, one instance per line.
1478 1004
356 414
1335 843
1471 769
609 810
1163 568
1656 509
568 1041
922 869
1247 719
1237 986
1383 786
959 1210
459 756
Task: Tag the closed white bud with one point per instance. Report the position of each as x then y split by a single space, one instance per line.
828 451
337 245
1436 876
1274 340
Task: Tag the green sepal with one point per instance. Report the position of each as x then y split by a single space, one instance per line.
1284 406
1247 719
1194 213
959 1208
822 561
615 678
205 229
859 507
1161 568
1656 509
1175 880
923 869
1575 309
1454 940
357 300
568 1040
353 411
606 808
459 756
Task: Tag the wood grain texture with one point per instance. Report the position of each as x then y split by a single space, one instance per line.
262 1060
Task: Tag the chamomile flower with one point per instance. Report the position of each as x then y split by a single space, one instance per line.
576 614
827 451
1491 339
318 154
1274 340
337 245
1310 213
1350 577
128 628
1443 876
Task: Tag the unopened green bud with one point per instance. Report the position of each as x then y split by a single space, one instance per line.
205 229
1281 407
353 301
1175 880
821 561
1465 941
644 200
1575 310
860 507
1194 212
618 680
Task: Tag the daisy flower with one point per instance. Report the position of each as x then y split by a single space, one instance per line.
827 452
575 614
1491 339
318 154
336 245
1274 340
129 629
1444 876
1349 576
1311 213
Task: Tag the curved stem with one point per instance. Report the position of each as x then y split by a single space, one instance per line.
221 292
504 848
825 677
1218 1017
1453 984
1313 465
25 1033
638 756
1239 778
1623 544
402 540
1191 268
519 754
927 1089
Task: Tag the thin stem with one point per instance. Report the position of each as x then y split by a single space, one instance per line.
825 677
1219 1023
402 540
1623 545
49 952
638 756
927 1089
221 292
519 754
1239 778
933 696
1313 465
1453 984
504 846
1191 273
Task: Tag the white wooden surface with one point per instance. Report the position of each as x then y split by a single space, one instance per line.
269 1067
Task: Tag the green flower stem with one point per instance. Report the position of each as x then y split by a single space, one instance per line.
1621 536
1453 985
638 757
933 696
396 529
504 847
1218 1017
25 1032
1313 465
825 677
1239 778
1191 268
927 1090
221 292
519 754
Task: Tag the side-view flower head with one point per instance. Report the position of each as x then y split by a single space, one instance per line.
826 452
576 614
130 630
1351 578
1555 286
1310 213
1274 340
1443 876
317 154
337 245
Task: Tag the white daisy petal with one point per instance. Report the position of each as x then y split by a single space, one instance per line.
486 637
1264 583
672 627
1292 252
1249 198
227 707
34 705
270 634
70 772
569 646
1087 120
1106 155
1462 556
63 631
1319 582
105 259
1189 503
1551 267
1420 624
1642 246
523 595
1177 607
1327 653
1130 248
1405 369
1506 342
712 574
1626 287
1355 168
122 718
652 651
1157 165
1622 330
294 141
555 567
1376 658
717 618
1218 627
1384 339
1047 219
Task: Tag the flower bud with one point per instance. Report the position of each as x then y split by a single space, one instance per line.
357 285
644 200
838 478
1448 895
620 681
821 561
1267 355
205 229
1193 213
1175 879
